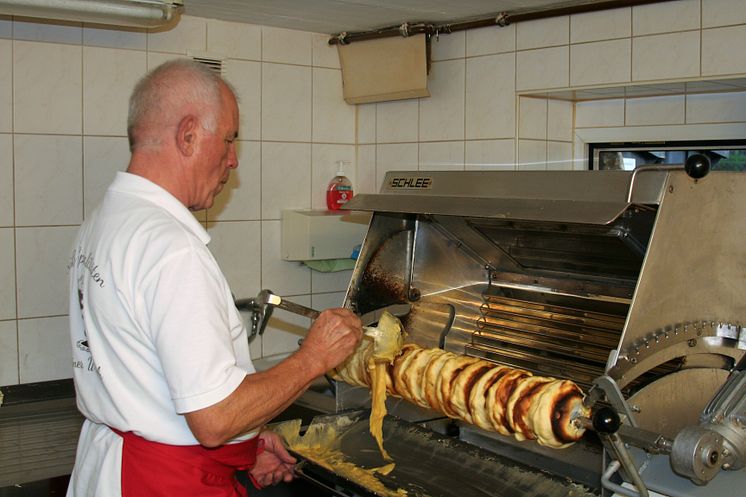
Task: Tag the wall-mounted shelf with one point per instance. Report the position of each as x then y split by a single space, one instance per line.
637 90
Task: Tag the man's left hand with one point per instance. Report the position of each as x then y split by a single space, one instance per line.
274 464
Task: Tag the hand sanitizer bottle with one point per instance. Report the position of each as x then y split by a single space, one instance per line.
339 190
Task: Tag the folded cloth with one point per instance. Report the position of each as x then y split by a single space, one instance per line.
330 265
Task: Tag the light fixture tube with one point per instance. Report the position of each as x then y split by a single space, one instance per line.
137 13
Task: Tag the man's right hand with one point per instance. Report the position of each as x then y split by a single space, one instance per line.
333 337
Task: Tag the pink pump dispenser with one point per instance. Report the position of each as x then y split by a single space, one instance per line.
339 190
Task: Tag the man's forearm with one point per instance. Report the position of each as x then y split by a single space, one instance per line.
258 399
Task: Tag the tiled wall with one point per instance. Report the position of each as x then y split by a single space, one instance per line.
488 108
63 104
63 90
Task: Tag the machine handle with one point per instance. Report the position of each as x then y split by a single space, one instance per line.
606 420
298 309
696 166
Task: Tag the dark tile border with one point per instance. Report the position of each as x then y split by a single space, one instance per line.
37 392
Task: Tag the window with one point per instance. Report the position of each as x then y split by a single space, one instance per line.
724 155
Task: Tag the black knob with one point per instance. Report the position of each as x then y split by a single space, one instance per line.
697 166
606 420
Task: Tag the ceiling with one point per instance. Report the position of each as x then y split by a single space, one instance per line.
336 16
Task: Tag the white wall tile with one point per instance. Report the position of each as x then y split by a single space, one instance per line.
716 108
286 102
47 88
532 155
397 121
240 200
722 51
559 156
599 113
48 31
246 78
8 353
490 155
666 56
6 180
287 46
102 158
44 349
395 157
665 17
560 120
330 282
532 118
7 276
723 12
655 110
108 78
286 178
324 166
42 255
190 34
448 46
324 55
234 40
327 300
490 40
366 123
602 25
600 62
446 85
544 68
333 118
48 179
282 277
113 37
541 33
441 156
6 86
366 170
490 96
236 245
157 58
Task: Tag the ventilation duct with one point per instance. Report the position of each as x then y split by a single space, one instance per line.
135 13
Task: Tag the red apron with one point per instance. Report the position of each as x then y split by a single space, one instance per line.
152 469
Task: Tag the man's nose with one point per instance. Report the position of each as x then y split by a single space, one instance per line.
232 157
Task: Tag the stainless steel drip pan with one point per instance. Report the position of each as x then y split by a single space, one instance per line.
428 464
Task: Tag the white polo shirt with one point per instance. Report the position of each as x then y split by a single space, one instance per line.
155 333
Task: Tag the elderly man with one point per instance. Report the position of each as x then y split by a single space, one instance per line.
162 370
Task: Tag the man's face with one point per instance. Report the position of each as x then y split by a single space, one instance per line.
217 153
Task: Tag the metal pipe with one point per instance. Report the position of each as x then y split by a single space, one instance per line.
501 19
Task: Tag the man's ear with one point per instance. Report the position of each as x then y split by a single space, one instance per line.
186 135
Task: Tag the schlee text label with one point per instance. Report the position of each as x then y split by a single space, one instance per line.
410 182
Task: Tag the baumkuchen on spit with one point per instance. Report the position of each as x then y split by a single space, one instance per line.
497 398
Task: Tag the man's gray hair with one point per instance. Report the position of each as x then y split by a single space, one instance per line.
176 86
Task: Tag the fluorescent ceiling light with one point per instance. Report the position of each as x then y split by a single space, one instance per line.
140 13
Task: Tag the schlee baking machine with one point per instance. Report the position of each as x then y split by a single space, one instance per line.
633 285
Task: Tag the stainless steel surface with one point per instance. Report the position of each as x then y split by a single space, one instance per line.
696 254
637 289
431 464
579 197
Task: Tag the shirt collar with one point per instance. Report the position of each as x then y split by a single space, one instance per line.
133 184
